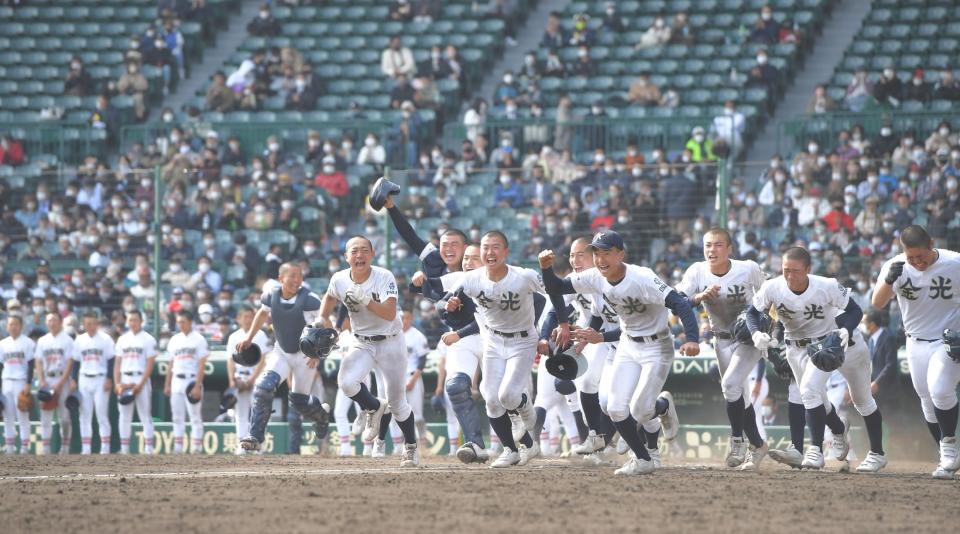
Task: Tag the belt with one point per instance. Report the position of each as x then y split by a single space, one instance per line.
184 375
924 340
132 373
811 340
52 375
95 375
723 335
510 335
648 339
373 339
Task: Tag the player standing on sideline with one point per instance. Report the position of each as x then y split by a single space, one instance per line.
290 307
188 356
724 287
94 350
243 377
16 353
54 362
922 279
645 353
370 295
811 308
504 296
137 351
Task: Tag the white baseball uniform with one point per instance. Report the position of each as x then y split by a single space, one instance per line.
377 342
93 354
187 353
290 364
465 355
645 353
15 355
599 355
808 317
54 352
342 403
510 345
737 287
929 305
244 372
134 350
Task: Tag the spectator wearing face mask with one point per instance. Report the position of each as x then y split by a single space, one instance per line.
372 152
584 64
888 90
763 74
331 180
304 95
175 274
508 194
506 90
134 84
859 91
259 218
205 275
78 81
766 29
643 92
612 21
837 218
264 25
942 138
821 101
657 35
917 89
220 97
701 148
397 59
729 127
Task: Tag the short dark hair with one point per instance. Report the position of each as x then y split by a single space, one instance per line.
798 253
456 232
498 233
135 312
91 314
722 232
186 314
17 317
915 236
875 317
365 238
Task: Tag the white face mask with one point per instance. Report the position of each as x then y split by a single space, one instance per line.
339 230
175 268
761 59
885 131
209 242
274 147
309 250
19 284
812 148
944 131
766 411
203 267
287 204
505 179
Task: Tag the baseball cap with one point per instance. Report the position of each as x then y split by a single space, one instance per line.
607 240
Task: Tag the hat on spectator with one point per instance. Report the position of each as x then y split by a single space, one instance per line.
213 134
178 291
698 130
205 308
814 246
850 189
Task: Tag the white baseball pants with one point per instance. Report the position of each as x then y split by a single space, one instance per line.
639 372
390 356
180 409
94 401
12 388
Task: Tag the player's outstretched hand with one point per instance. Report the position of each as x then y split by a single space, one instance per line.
762 340
242 345
587 335
453 304
690 348
449 338
543 347
546 259
418 279
896 269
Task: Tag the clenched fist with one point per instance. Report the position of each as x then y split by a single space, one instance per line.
546 259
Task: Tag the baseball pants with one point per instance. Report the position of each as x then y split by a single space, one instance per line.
181 409
341 415
507 365
125 419
415 400
63 417
93 401
292 367
12 388
758 402
855 369
639 372
547 395
736 362
606 377
934 376
389 356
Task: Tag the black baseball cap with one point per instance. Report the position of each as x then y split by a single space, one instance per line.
607 240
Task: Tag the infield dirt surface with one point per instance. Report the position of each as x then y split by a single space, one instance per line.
287 494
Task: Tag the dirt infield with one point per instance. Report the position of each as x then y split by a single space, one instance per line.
288 494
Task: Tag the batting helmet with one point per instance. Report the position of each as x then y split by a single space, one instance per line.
740 330
436 402
24 401
73 401
564 387
317 342
249 356
228 399
44 394
778 360
827 354
565 366
126 397
189 389
951 340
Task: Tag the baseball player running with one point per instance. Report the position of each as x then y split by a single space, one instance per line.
504 297
370 295
16 353
243 377
645 353
188 353
94 350
290 307
922 280
812 308
724 287
137 351
54 361
417 350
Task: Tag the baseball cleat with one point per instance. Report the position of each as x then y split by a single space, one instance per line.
381 190
516 426
356 428
813 458
635 466
528 453
379 449
250 443
942 474
737 452
470 453
507 459
655 457
789 456
411 456
841 443
528 416
372 431
593 443
754 456
872 463
669 420
949 455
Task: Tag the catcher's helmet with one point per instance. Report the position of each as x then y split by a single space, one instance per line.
827 354
317 342
126 396
565 366
73 401
564 387
228 399
740 330
951 340
249 356
44 394
189 389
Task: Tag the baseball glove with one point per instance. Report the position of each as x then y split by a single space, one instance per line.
778 360
24 401
317 342
740 330
951 340
827 354
51 403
